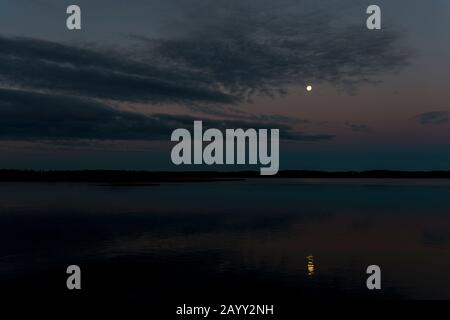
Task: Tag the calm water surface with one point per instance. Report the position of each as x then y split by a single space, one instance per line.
260 240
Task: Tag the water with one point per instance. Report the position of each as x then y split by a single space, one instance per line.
258 241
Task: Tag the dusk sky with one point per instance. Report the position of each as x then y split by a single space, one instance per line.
108 96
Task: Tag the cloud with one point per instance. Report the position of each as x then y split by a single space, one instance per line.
30 115
286 131
233 52
27 115
236 51
357 127
251 48
433 117
49 66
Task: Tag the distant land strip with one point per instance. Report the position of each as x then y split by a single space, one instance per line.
125 177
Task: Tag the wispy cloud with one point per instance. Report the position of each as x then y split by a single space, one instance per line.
433 117
357 127
254 47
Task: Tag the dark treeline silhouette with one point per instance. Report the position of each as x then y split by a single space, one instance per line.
118 176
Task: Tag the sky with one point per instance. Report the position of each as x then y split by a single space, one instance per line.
108 96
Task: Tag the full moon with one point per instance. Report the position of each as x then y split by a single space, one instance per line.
308 88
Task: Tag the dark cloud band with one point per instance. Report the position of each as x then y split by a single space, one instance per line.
30 115
44 65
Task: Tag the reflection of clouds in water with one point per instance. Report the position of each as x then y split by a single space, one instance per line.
264 229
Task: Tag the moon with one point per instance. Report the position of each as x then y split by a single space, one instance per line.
308 88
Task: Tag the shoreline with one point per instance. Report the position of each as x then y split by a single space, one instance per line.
133 177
